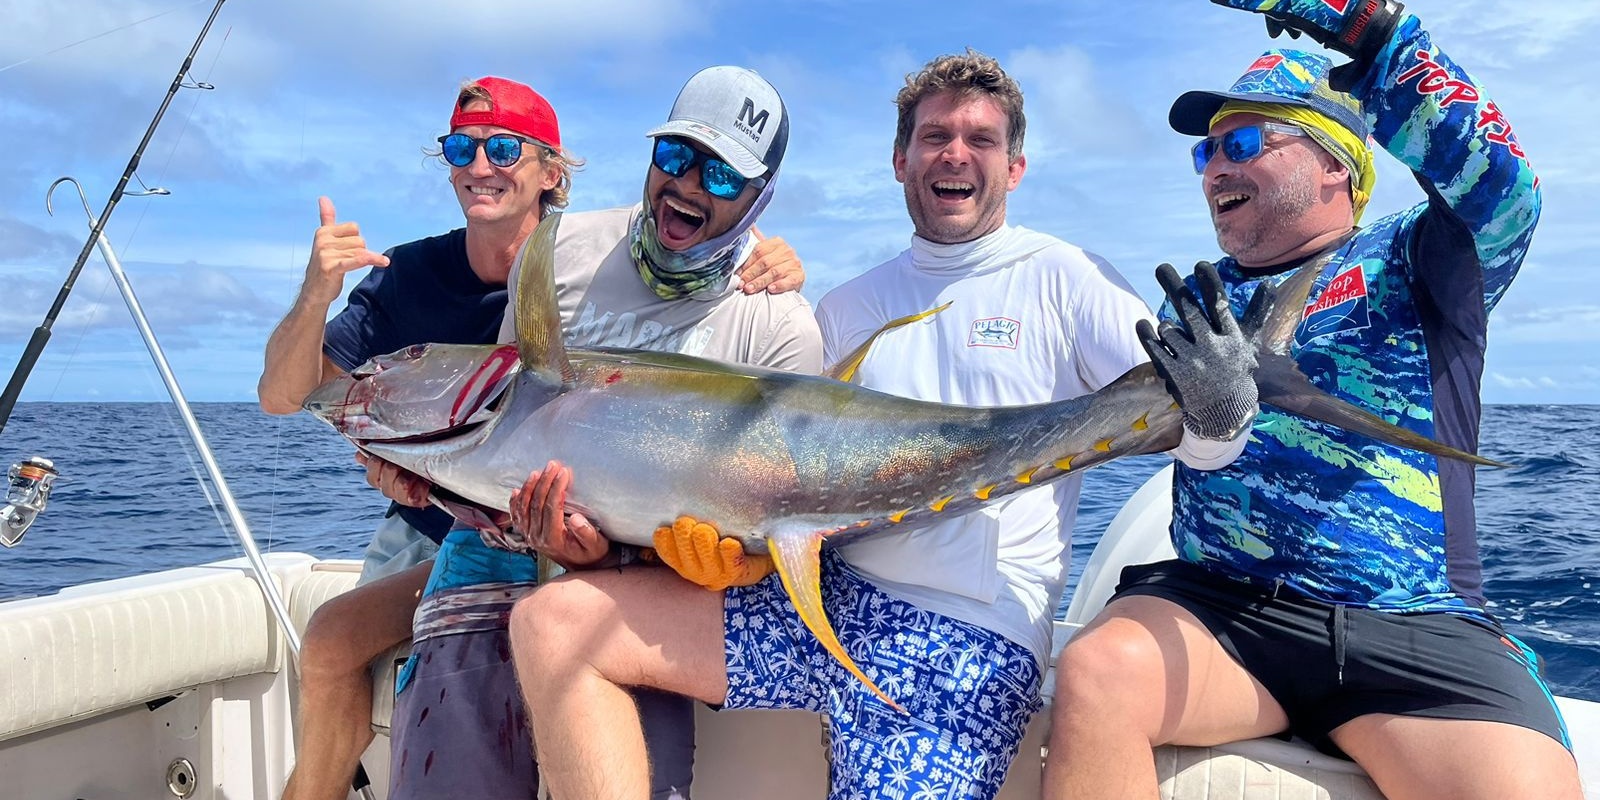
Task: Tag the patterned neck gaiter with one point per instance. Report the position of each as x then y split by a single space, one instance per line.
702 272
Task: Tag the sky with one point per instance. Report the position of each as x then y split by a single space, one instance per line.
339 98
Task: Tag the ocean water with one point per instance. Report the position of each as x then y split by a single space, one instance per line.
132 499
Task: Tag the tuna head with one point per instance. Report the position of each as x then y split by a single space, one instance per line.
419 391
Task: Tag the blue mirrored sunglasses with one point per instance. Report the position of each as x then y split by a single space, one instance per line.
502 149
1239 145
676 157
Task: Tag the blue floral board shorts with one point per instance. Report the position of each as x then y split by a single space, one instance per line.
968 691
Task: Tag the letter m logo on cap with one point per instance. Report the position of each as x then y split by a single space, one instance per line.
750 121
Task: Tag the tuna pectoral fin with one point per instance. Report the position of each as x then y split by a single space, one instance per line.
1282 384
798 556
845 370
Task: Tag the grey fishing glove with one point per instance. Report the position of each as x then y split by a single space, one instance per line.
1208 363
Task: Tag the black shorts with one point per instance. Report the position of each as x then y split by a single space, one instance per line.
1327 664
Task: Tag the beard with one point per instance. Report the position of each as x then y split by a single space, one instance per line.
1276 215
988 214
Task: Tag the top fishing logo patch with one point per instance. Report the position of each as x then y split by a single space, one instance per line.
1342 306
994 332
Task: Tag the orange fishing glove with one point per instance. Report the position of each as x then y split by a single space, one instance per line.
695 550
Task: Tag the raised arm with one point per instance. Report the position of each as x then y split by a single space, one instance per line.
295 362
1429 113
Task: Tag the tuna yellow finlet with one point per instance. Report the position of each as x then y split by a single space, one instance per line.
983 494
1104 445
938 505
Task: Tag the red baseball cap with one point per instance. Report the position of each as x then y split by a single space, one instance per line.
515 107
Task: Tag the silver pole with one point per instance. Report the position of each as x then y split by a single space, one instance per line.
241 528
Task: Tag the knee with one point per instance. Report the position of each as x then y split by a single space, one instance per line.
549 625
1106 666
327 649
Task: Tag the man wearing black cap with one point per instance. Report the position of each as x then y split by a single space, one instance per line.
1326 585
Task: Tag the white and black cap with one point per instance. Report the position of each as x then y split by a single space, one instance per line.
736 114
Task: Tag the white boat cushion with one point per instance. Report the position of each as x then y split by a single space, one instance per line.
109 645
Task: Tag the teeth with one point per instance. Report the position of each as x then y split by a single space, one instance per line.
953 186
683 209
1229 199
484 190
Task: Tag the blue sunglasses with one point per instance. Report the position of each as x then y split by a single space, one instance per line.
676 157
1239 145
502 149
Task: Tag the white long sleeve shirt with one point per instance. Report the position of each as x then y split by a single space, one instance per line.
1033 319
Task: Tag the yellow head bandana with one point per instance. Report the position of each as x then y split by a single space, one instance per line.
1343 145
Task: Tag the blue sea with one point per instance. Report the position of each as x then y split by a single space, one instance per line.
132 499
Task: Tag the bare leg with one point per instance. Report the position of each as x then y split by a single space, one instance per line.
343 637
1145 672
579 639
1412 758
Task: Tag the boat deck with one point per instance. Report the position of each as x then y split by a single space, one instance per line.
113 687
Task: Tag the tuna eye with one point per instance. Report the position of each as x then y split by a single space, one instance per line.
416 351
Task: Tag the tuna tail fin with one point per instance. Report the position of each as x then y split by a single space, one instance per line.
845 370
538 318
798 555
1282 384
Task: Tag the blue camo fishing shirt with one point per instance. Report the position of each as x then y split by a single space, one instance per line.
1395 325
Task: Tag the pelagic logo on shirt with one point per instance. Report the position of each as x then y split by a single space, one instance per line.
994 332
1342 306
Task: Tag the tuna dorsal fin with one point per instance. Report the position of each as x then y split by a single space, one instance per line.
538 318
845 370
797 553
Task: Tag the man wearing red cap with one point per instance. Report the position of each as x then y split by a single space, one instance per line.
658 275
449 288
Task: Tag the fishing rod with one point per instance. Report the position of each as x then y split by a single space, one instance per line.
41 334
269 588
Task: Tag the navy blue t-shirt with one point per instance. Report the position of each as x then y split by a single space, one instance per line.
428 293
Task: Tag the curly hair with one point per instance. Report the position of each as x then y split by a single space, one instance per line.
970 73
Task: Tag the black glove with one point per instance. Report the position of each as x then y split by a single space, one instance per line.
1209 363
1360 31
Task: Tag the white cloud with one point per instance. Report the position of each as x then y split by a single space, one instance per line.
1069 109
1535 382
1546 324
1509 33
337 97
